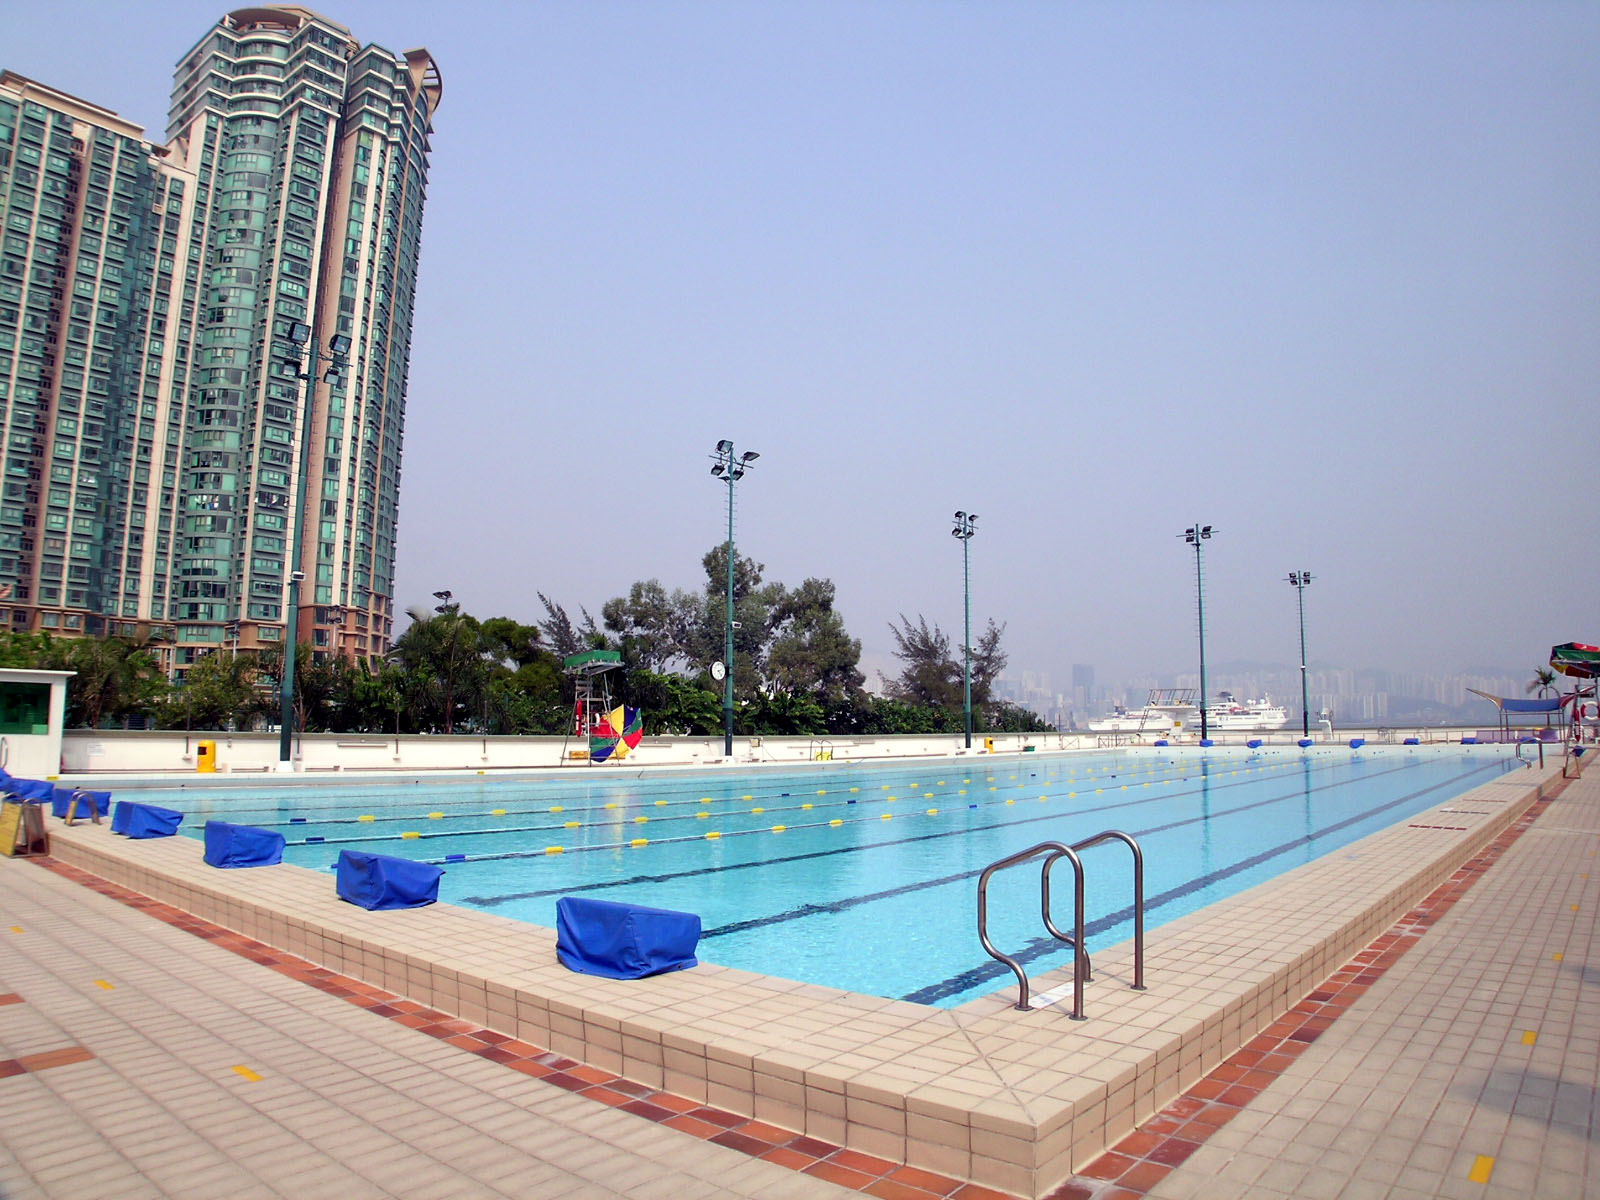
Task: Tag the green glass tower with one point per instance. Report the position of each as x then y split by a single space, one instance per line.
168 321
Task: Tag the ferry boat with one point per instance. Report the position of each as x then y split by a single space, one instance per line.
1227 713
1170 711
1167 711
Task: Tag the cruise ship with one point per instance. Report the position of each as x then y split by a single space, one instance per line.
1227 713
1170 711
1167 711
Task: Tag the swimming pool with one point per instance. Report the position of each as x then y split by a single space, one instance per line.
864 876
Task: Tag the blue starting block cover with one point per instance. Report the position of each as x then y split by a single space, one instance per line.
379 881
1303 743
242 845
1357 743
31 789
145 820
90 804
623 941
1254 743
1412 742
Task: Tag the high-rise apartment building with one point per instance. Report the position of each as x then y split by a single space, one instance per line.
203 344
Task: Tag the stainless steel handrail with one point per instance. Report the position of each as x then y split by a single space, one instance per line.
1054 849
1080 956
1138 895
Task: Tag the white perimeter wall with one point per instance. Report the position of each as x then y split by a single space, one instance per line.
122 752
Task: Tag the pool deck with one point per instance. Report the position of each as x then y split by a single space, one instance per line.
145 1062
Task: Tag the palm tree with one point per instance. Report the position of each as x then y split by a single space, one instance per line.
1543 682
114 676
445 664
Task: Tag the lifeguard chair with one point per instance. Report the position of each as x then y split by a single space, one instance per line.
607 732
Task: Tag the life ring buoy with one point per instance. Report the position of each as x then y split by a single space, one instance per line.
1589 711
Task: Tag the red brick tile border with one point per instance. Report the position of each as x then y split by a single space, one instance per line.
1128 1171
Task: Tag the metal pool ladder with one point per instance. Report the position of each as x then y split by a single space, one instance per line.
1055 852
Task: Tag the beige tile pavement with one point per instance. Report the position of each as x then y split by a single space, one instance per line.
1008 1101
1470 1070
343 1103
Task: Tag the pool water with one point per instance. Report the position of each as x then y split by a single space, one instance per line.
864 876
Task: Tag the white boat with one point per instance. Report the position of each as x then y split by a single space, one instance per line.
1167 711
1228 714
1173 711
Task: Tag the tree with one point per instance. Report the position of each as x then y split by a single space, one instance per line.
780 714
1543 682
811 653
753 609
372 699
931 677
671 704
115 677
565 637
1000 717
219 692
988 662
36 651
654 628
512 642
446 667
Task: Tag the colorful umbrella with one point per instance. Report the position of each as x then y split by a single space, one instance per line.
619 731
1576 659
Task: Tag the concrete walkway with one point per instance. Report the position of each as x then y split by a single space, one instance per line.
142 1061
137 1060
1468 1071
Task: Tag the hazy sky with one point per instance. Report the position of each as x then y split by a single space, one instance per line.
1324 276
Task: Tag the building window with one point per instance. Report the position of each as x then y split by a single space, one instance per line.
25 707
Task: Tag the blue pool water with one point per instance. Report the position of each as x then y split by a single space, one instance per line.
865 876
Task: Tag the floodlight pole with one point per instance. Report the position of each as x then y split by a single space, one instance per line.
964 529
1195 535
300 336
1300 579
726 466
291 630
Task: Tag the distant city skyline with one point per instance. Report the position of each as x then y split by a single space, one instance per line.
1321 276
1354 695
